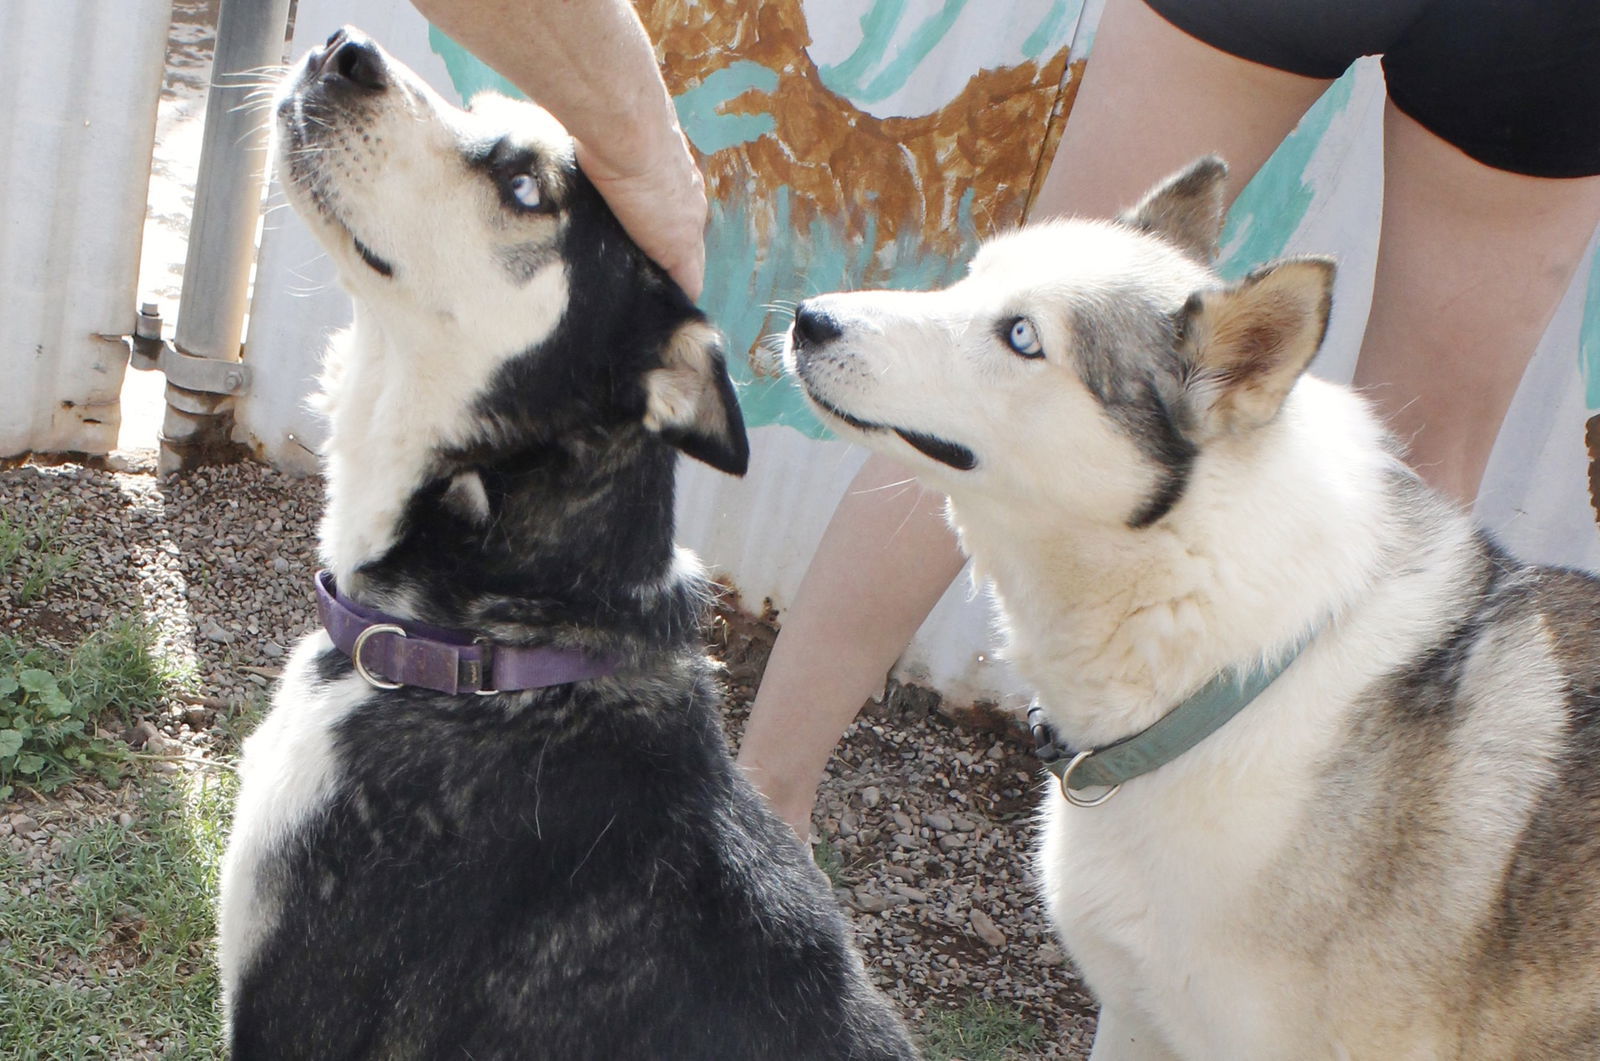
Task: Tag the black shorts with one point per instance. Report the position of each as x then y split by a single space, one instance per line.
1513 83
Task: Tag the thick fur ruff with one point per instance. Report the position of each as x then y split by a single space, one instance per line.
572 872
1395 851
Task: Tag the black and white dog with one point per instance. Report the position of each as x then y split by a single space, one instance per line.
491 814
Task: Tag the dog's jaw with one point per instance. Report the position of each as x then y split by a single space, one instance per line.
939 450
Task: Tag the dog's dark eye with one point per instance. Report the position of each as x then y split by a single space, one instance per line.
1023 338
525 190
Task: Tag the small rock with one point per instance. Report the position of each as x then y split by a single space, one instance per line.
271 649
139 734
903 820
869 903
212 632
23 823
871 797
198 718
280 565
936 820
962 825
985 928
916 895
951 841
1050 954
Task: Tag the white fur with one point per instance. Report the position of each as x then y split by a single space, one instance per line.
286 773
391 396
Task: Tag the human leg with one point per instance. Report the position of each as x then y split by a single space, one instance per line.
1153 99
1492 140
1471 265
883 563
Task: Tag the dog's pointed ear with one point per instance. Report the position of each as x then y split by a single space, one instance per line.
1248 343
690 402
1186 208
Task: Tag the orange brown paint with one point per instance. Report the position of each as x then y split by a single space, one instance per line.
898 178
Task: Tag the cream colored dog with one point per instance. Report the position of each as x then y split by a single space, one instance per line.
1368 824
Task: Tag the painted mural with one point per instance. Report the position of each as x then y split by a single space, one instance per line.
873 143
849 144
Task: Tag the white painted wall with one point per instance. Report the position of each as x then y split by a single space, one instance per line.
77 120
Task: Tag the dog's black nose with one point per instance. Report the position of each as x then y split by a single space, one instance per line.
349 56
814 325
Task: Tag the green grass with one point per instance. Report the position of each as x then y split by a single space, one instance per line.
826 856
35 551
51 704
979 1031
139 897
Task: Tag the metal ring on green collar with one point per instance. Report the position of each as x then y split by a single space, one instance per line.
1076 800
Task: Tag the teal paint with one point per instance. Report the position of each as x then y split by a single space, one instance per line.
1272 205
1589 338
878 27
698 108
1054 31
467 72
923 40
746 281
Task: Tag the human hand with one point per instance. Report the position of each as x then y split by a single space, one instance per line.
659 197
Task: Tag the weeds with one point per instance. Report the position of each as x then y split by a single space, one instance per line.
829 862
51 705
979 1031
34 554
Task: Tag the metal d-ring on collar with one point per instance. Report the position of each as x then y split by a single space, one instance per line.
1180 729
361 640
1066 784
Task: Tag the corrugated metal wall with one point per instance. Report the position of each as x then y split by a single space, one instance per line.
78 95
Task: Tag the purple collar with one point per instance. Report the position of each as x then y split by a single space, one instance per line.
390 653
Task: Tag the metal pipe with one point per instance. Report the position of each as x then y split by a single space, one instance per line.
227 195
227 208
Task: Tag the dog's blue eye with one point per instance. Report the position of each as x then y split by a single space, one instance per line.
1024 339
525 190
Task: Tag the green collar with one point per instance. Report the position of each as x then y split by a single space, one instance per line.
1174 733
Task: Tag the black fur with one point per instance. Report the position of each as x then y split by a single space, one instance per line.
574 872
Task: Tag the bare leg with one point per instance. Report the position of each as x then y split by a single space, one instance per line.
1153 99
883 563
1472 264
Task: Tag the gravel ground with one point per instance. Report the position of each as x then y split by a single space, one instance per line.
927 820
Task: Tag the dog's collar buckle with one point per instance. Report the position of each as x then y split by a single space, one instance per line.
390 653
478 671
